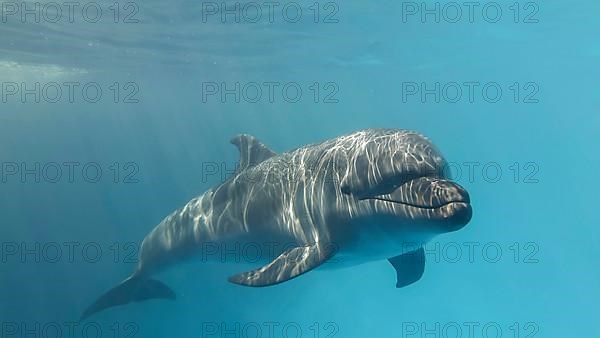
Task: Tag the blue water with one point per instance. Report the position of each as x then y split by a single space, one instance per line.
532 271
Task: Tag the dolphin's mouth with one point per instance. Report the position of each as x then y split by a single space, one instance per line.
413 205
431 198
425 192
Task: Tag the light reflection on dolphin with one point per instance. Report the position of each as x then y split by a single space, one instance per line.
373 194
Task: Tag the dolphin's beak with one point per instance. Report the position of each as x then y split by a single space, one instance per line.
432 198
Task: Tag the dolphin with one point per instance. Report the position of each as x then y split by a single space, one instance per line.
370 195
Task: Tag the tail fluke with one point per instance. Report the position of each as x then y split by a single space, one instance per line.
133 289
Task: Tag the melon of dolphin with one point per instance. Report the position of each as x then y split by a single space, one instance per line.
369 195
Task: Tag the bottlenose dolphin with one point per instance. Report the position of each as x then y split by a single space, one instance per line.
373 194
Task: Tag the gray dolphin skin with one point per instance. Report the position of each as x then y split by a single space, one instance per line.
370 195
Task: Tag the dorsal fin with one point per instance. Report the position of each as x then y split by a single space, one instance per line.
252 151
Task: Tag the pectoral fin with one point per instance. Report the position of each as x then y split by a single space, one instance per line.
289 264
409 267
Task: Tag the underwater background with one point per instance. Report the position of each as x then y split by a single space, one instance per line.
109 122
